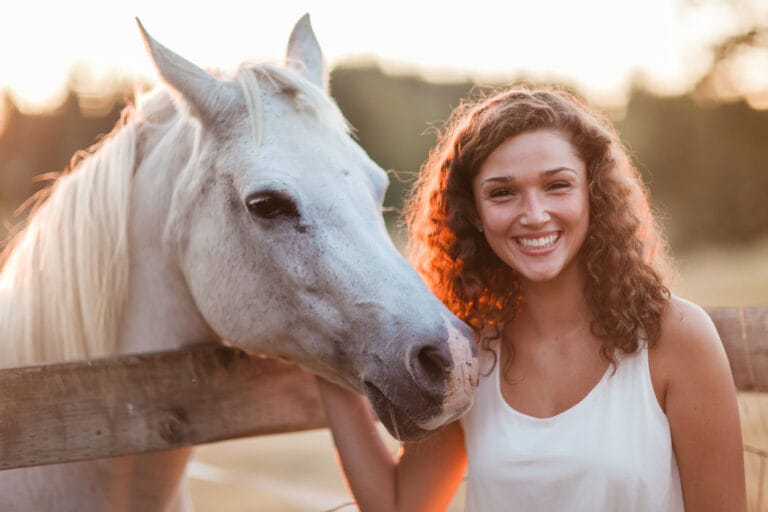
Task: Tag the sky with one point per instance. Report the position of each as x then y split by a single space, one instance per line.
596 45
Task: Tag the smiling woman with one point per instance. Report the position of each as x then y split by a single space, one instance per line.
598 387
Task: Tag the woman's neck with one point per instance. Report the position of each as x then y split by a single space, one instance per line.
556 307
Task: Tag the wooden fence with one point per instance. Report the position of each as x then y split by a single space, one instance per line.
140 403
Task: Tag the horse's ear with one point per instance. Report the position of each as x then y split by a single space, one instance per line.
202 92
304 55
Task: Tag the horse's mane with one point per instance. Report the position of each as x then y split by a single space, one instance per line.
64 277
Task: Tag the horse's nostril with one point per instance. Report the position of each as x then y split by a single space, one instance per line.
434 363
377 398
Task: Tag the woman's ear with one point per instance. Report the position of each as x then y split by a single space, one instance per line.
474 219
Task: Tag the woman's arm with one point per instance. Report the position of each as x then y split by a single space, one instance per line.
423 478
700 402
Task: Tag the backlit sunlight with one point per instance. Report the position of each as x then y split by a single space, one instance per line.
597 45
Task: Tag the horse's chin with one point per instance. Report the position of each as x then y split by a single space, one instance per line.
402 425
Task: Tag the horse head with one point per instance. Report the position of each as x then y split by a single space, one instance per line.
274 223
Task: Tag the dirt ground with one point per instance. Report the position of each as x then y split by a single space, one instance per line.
281 473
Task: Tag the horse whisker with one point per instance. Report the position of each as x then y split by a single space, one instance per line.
392 418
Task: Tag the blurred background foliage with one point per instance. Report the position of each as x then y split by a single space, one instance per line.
703 154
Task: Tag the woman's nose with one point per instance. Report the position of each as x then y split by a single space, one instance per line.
534 212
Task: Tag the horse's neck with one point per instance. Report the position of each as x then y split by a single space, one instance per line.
157 313
160 312
150 481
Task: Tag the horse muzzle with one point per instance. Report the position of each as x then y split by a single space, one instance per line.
432 388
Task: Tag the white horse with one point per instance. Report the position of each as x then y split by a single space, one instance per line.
233 209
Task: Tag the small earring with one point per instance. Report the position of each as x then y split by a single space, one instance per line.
480 228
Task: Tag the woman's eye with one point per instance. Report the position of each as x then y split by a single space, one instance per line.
500 193
559 185
268 205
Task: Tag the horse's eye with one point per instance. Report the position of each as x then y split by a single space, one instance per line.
269 205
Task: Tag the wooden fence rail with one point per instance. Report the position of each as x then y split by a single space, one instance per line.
744 332
140 403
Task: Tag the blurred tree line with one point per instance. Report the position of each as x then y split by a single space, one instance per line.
705 162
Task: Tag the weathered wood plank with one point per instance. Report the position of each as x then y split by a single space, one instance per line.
744 332
140 403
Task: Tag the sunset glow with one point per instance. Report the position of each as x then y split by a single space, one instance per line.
597 45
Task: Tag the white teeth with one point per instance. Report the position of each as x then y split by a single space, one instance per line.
538 243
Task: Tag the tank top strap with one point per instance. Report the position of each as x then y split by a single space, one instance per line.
633 377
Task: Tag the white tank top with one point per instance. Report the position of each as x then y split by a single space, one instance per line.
612 451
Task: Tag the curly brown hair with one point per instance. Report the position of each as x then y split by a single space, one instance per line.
624 256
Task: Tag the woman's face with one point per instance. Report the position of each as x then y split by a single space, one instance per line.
532 202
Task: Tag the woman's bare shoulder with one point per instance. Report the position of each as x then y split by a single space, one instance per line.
686 326
688 346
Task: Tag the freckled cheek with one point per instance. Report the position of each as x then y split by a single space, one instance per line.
575 214
498 220
575 209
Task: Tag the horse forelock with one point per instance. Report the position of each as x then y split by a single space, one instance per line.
64 275
306 97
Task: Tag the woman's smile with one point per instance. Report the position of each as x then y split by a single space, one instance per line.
538 244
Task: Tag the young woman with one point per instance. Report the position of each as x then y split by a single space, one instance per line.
599 390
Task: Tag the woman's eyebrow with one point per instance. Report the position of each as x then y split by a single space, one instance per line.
512 179
558 170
